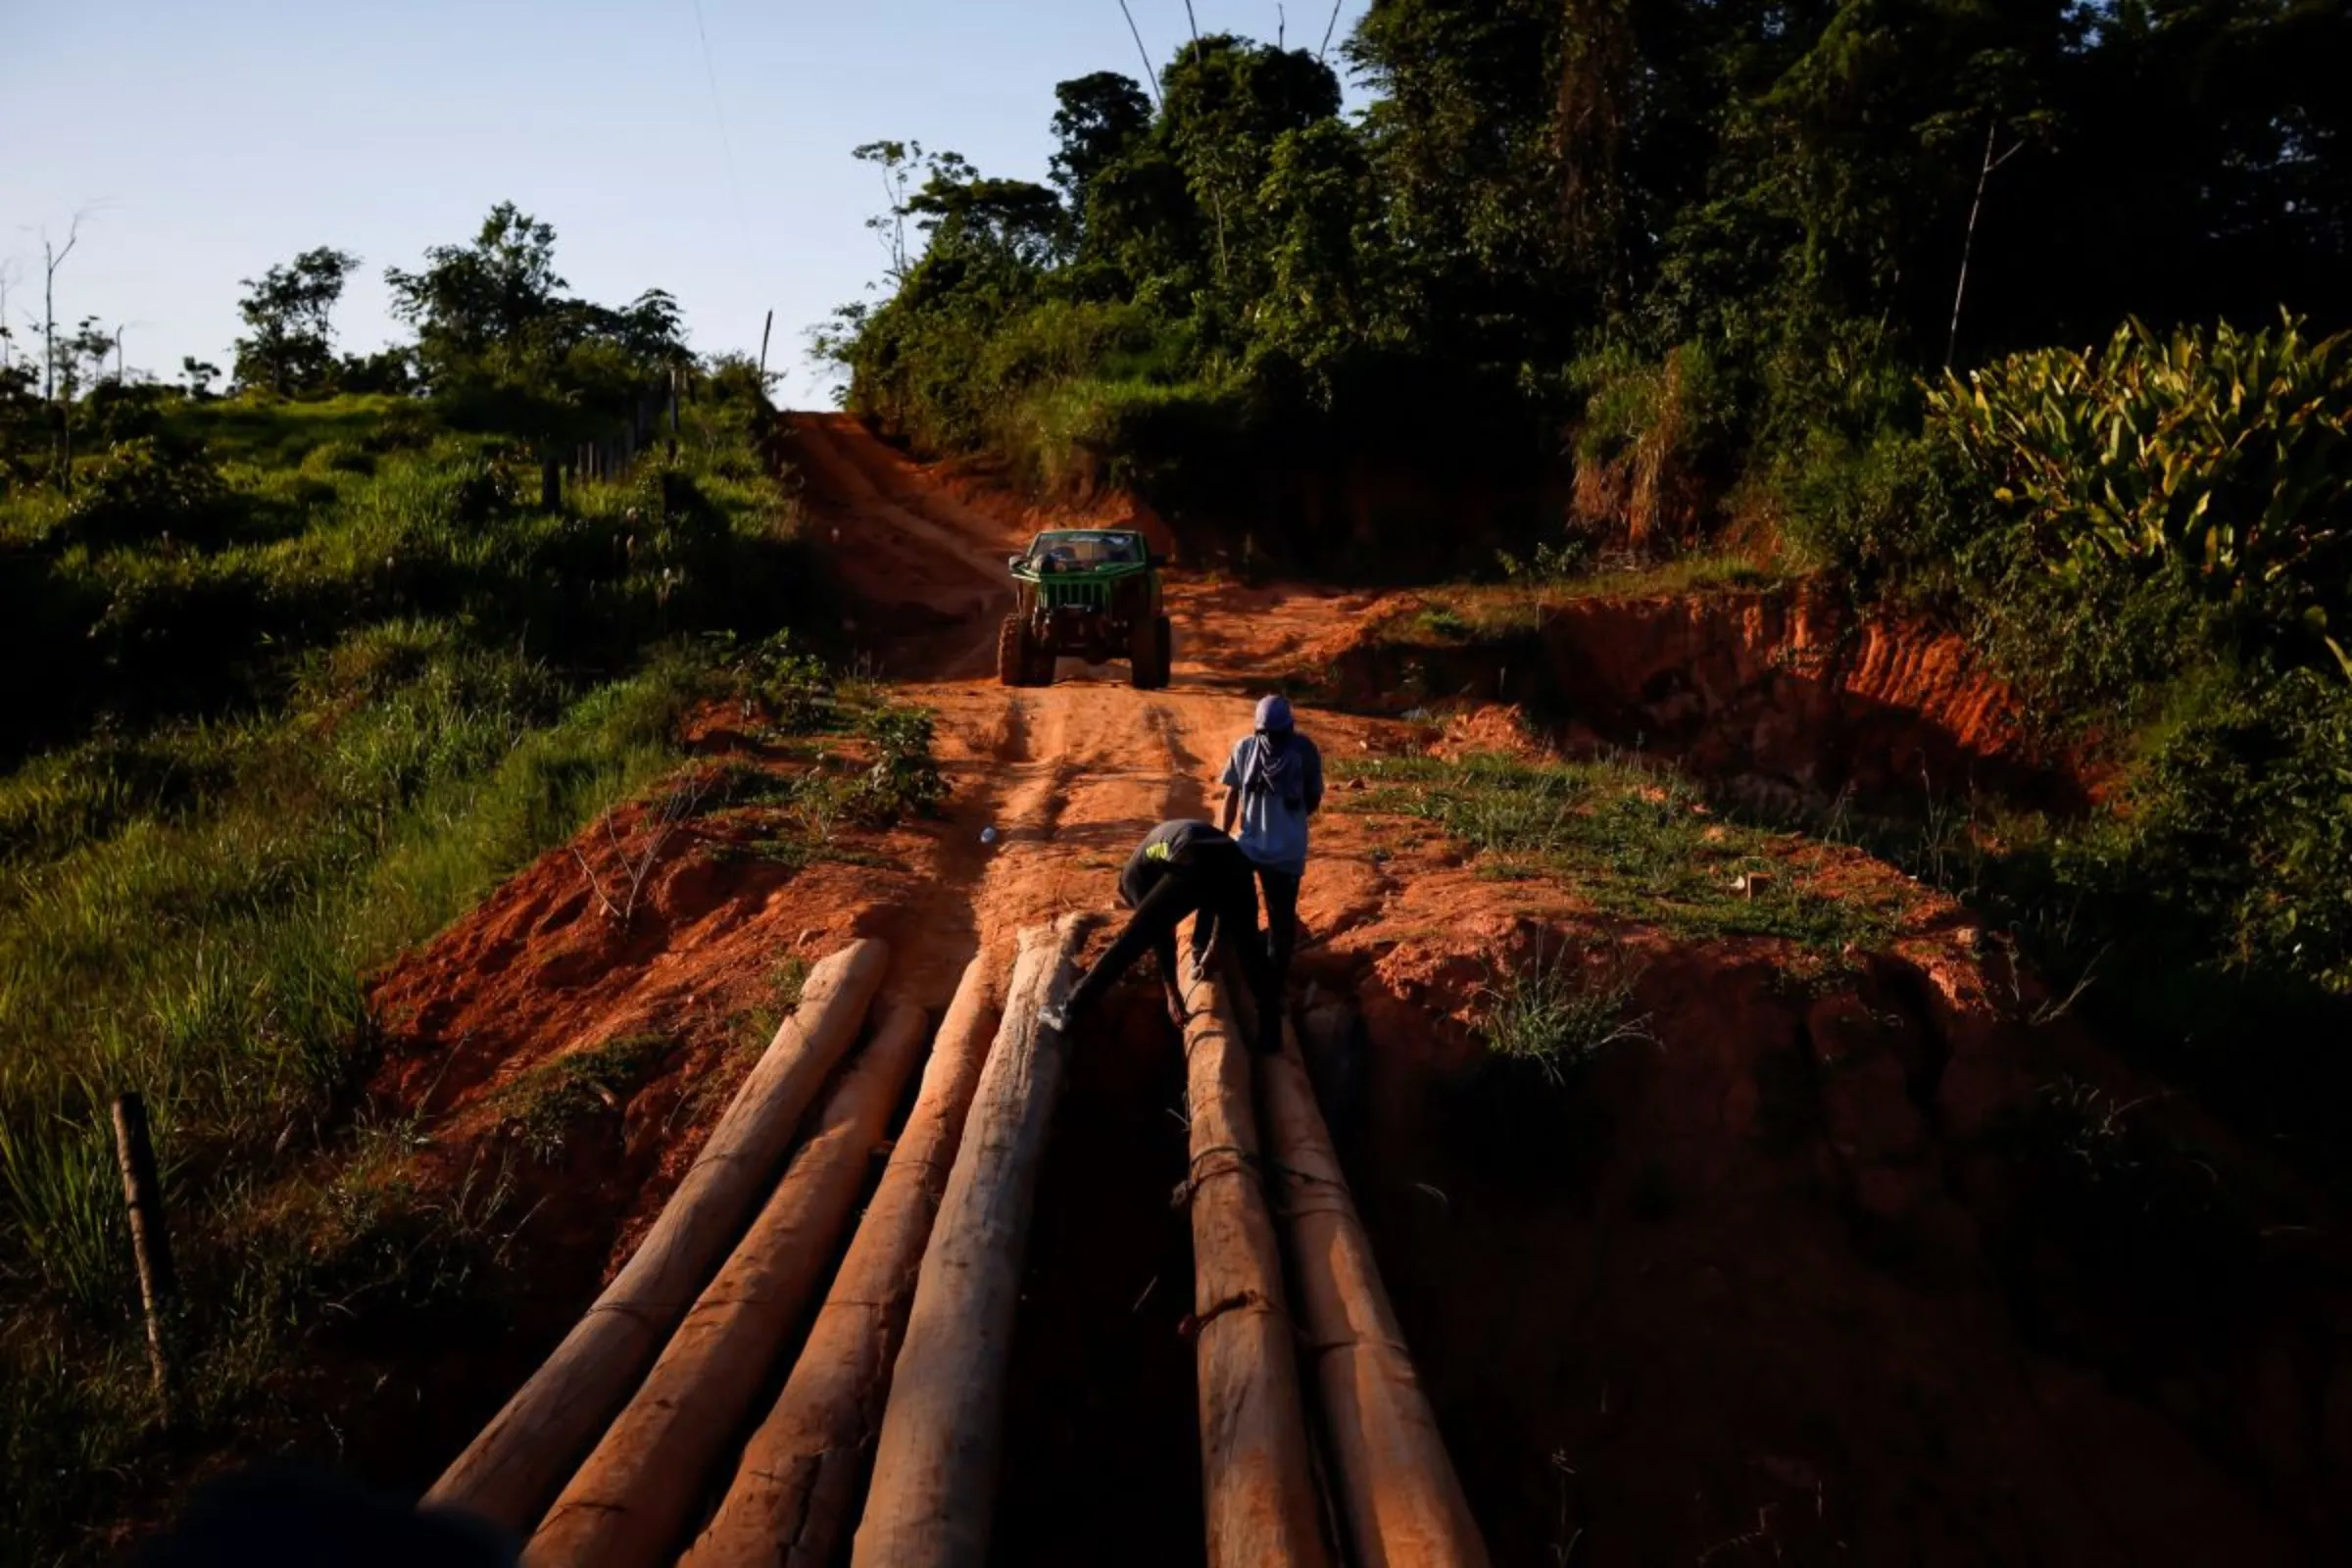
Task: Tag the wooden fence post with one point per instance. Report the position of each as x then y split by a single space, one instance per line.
150 1238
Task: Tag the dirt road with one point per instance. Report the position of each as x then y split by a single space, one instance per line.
1099 1436
1070 775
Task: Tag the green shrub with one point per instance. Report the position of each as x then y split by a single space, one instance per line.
2238 819
1649 446
2212 466
146 490
905 779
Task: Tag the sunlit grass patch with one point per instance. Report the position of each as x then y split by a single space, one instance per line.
1639 845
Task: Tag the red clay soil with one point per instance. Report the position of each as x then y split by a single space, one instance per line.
1763 1288
1784 687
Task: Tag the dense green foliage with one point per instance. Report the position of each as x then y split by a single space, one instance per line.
1238 297
295 683
2153 540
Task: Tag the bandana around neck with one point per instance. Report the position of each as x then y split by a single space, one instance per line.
1277 766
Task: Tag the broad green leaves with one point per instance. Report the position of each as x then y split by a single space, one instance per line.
2227 456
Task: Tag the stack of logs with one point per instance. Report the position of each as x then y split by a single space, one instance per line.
639 1441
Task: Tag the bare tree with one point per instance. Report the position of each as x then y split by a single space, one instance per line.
680 806
8 278
51 260
1968 244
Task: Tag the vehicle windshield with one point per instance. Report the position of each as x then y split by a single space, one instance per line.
1068 550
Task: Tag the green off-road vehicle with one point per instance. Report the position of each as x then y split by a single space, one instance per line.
1093 594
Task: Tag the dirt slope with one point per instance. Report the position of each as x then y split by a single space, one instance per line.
1749 1295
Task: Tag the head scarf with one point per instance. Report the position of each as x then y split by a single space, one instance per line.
1269 763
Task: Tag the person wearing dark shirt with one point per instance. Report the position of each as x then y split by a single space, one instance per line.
1181 868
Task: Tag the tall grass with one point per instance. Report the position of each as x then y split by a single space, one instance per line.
1559 1018
275 755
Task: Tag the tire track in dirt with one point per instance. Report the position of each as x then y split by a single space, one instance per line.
1069 775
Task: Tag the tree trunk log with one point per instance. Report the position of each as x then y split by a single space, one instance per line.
794 1497
1398 1493
637 1495
935 1468
1257 1477
508 1473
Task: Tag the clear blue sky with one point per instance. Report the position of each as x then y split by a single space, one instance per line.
212 138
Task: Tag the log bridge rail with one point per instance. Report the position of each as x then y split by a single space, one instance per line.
637 1443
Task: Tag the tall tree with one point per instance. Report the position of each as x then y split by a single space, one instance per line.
1099 119
477 302
289 312
502 345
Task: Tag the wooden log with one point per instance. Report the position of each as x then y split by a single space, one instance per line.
635 1497
1258 1493
933 1495
150 1240
1399 1494
794 1498
509 1472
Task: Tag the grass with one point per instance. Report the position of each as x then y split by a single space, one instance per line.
1559 1019
268 754
552 1099
1641 845
780 993
1466 613
2146 1213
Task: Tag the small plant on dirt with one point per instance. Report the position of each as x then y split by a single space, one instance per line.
751 1030
2144 1211
792 686
556 1095
679 804
1551 562
1560 1018
780 994
1444 622
904 780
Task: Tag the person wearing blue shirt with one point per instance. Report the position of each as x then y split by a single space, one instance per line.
1273 783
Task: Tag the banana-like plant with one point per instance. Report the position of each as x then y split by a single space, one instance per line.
2228 453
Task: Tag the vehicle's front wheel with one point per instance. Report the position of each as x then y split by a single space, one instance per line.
1143 656
1016 663
1164 652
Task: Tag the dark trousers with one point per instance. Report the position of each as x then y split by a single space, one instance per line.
1217 888
1282 918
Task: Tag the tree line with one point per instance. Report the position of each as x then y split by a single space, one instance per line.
1806 207
500 345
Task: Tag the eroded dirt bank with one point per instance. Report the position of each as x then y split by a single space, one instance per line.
1800 1278
1805 1273
1784 687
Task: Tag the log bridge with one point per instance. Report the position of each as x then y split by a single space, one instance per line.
640 1440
